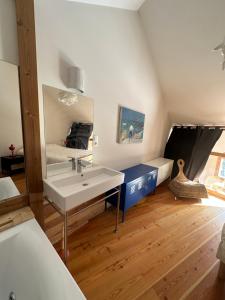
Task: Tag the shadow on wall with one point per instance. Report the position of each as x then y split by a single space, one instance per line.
64 64
70 74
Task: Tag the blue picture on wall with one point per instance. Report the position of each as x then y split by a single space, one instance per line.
131 126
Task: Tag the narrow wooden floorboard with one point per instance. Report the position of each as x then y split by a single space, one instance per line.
183 277
210 288
166 250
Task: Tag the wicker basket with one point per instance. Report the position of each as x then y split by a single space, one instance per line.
182 187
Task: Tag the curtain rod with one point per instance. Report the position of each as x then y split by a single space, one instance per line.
211 126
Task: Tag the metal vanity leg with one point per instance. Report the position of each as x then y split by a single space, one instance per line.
118 209
65 238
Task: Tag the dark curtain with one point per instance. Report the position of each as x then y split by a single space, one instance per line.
180 145
205 140
193 145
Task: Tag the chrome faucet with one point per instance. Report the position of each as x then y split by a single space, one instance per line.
81 164
78 163
73 160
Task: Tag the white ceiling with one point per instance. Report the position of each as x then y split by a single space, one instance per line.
182 35
124 4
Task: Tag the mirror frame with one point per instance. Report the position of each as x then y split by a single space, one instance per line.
29 113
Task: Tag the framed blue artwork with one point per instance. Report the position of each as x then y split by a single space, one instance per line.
131 126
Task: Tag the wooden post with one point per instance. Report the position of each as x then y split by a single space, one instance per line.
30 104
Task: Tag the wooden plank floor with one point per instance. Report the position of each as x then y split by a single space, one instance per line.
165 250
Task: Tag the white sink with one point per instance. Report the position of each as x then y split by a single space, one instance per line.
71 189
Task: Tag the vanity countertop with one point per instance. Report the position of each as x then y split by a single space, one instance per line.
15 217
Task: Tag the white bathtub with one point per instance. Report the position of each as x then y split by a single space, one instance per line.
31 268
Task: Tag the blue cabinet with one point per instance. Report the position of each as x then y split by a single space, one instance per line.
139 181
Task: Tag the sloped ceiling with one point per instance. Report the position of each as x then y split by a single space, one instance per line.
182 35
124 4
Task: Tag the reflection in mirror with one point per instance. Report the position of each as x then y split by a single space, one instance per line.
12 172
68 129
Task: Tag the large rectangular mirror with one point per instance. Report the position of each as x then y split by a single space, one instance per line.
12 166
68 128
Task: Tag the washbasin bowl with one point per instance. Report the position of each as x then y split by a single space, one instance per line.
72 189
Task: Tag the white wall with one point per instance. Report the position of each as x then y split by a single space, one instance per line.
182 35
10 114
110 46
8 31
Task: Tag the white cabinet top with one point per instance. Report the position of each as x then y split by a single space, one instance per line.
158 162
